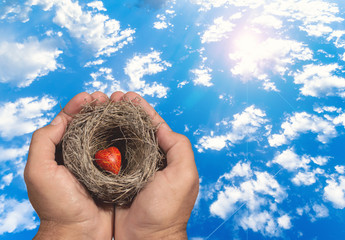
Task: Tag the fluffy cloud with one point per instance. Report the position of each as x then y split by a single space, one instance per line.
11 11
313 14
239 170
302 123
338 35
98 5
320 210
307 178
320 80
315 212
292 162
103 81
254 58
22 63
164 19
202 76
142 65
335 191
244 125
96 30
13 153
255 191
268 21
206 5
6 180
16 215
217 31
24 115
284 221
289 160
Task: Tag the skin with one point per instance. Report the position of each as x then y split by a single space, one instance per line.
66 210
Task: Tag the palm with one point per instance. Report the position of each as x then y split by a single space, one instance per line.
71 202
157 205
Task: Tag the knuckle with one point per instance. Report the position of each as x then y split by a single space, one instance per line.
38 133
184 140
27 175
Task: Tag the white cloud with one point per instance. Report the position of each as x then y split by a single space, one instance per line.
142 65
16 215
94 63
340 169
202 76
320 80
317 30
244 125
22 63
160 25
182 84
6 180
206 5
335 191
338 35
97 31
340 119
289 160
240 170
285 221
302 123
164 19
11 11
218 31
13 153
306 177
255 191
261 221
268 21
254 58
98 5
320 210
315 212
24 115
320 160
313 14
327 109
103 81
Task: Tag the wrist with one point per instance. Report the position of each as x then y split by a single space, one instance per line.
172 233
56 231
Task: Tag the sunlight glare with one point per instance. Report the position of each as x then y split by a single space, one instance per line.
246 41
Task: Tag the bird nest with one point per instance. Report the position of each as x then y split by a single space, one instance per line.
124 125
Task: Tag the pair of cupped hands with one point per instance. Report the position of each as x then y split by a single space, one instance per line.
67 211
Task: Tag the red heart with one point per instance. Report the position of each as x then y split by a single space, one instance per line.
109 159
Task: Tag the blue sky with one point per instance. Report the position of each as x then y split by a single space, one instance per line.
257 85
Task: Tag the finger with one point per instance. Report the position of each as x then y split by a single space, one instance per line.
136 98
99 97
176 146
44 140
116 96
75 105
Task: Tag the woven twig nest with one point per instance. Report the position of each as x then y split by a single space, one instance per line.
124 125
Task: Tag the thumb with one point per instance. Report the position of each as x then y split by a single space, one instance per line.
44 141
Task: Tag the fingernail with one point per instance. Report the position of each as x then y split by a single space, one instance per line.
56 121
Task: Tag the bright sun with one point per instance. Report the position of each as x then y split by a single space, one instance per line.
246 41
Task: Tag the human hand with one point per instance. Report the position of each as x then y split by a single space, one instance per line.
65 208
162 209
